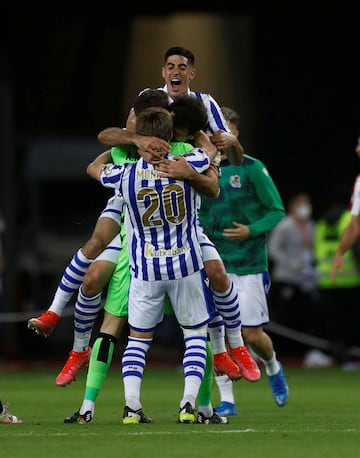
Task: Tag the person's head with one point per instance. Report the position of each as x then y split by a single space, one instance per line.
232 120
178 70
150 98
155 121
147 98
300 207
189 116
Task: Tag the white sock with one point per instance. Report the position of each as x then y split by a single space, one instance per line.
272 366
134 403
234 337
206 410
87 405
217 341
225 386
187 398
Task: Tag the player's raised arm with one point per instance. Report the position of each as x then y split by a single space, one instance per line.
95 167
115 136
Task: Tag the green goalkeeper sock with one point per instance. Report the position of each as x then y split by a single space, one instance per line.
100 361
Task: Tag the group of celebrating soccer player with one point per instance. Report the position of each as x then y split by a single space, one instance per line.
185 232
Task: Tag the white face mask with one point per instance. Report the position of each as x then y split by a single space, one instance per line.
303 211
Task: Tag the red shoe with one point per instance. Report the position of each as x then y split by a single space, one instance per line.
223 364
249 369
75 361
45 323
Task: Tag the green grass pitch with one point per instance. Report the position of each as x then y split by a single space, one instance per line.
321 419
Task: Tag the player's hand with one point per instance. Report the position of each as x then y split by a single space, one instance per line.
178 168
223 140
336 265
151 158
239 232
152 145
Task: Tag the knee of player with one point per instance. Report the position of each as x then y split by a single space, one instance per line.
250 335
218 278
219 281
92 283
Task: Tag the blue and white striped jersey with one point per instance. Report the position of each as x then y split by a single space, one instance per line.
216 120
161 218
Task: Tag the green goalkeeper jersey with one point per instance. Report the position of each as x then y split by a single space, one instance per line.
128 153
248 196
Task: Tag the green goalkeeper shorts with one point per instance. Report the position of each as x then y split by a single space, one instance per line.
116 301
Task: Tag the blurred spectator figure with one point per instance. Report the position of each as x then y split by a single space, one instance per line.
294 292
339 299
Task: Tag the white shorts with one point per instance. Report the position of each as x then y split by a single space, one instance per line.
253 291
187 296
208 250
114 209
112 251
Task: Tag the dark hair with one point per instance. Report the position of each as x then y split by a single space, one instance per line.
155 121
230 115
300 195
150 98
189 113
180 51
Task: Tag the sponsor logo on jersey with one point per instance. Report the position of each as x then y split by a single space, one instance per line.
151 252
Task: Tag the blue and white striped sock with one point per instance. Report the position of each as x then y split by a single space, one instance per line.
133 365
70 282
86 311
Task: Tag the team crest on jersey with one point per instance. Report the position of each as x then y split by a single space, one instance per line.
107 169
235 181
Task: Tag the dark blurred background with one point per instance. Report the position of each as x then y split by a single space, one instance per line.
291 74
